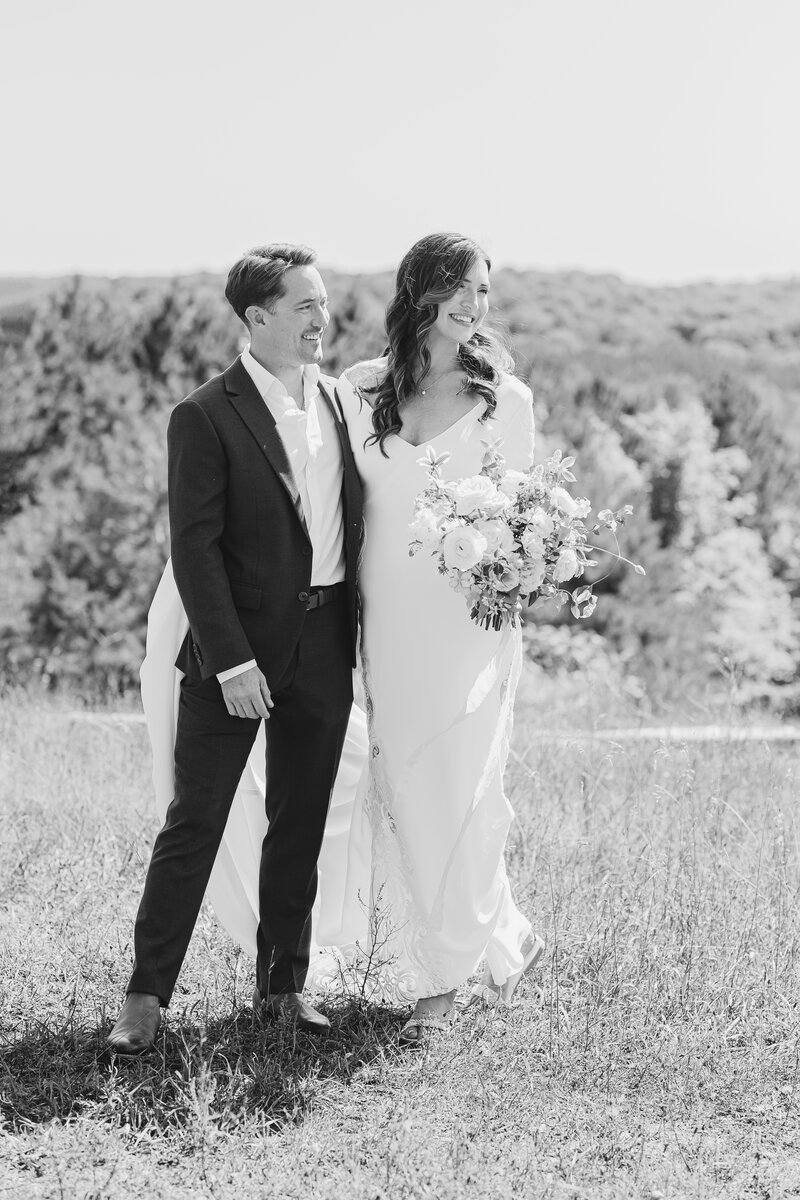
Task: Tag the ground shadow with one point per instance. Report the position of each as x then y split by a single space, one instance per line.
240 1065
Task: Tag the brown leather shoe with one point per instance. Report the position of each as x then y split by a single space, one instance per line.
137 1025
294 1008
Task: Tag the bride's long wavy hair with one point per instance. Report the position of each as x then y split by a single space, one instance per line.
429 274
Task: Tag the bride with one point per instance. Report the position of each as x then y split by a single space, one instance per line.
412 868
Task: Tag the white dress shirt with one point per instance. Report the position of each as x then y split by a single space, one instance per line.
312 446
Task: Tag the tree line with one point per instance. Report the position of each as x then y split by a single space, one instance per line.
680 401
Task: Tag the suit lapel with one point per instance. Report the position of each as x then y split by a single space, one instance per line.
245 398
349 473
338 420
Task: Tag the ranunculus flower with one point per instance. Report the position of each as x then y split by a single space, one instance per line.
477 492
567 566
531 577
498 535
463 547
564 502
539 522
532 543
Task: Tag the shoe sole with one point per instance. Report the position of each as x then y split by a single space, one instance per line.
118 1053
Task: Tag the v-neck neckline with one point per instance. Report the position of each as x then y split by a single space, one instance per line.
436 436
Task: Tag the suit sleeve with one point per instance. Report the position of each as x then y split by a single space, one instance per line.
198 481
519 436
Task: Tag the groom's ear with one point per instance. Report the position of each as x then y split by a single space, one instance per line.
254 315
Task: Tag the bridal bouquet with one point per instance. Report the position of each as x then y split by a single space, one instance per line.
502 536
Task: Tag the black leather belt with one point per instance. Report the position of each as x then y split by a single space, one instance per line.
315 597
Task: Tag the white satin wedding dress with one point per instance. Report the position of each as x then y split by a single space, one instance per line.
412 873
439 698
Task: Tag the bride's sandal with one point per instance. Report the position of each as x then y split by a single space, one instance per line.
413 1032
499 995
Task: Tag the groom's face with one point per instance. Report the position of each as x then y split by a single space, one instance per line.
295 324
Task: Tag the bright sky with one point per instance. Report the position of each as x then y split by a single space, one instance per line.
653 138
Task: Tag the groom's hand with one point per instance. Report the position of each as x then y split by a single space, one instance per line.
247 695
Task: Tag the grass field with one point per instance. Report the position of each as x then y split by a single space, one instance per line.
662 1058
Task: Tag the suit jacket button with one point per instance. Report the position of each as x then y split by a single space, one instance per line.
306 550
302 597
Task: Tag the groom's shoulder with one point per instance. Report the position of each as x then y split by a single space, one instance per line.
209 398
211 393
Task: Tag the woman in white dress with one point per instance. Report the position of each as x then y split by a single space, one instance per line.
439 689
412 868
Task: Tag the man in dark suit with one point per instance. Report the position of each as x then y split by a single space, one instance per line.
265 523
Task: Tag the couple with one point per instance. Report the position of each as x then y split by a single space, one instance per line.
267 463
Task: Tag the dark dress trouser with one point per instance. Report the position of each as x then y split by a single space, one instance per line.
305 734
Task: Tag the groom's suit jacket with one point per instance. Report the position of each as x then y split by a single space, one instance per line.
241 551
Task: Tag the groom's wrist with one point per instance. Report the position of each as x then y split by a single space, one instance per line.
224 676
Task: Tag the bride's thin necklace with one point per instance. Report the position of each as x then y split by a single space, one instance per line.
437 378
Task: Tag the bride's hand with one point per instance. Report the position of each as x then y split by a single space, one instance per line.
247 695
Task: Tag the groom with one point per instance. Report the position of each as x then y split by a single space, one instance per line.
265 524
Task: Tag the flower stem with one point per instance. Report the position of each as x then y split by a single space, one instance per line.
638 568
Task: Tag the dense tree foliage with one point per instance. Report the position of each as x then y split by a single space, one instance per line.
681 401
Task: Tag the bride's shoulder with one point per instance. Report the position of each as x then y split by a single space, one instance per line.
356 384
512 393
367 374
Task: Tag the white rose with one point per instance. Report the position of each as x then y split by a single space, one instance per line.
532 544
564 502
583 507
508 580
477 492
463 547
539 522
498 535
531 577
567 566
509 484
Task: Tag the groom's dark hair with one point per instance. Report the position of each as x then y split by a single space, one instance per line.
257 278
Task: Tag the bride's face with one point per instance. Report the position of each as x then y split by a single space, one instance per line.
460 316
